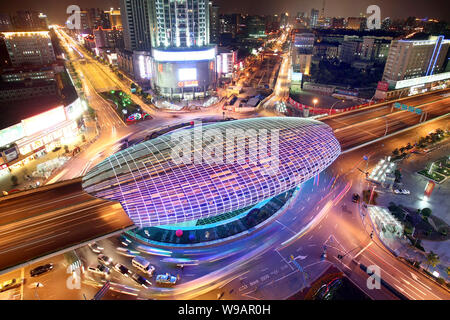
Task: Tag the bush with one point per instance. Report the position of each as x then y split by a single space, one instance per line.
425 212
14 180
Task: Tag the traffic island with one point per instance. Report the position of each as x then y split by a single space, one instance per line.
125 108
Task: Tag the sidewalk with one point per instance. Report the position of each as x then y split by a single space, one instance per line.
395 242
38 171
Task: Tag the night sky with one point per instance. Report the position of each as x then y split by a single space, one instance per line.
55 10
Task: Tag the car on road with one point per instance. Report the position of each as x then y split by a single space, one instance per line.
143 265
41 269
141 280
100 270
122 269
401 191
95 247
166 279
103 259
9 284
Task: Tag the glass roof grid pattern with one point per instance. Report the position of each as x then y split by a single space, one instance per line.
156 191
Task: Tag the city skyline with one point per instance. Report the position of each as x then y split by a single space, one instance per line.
333 8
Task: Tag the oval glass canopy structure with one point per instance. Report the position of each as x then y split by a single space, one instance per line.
208 170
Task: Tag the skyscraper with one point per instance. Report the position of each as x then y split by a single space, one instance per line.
135 16
214 23
183 59
314 18
415 58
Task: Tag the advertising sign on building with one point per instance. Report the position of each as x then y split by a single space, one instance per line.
11 134
383 86
44 120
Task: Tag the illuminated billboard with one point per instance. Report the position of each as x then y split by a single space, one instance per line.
11 134
422 80
187 74
44 120
160 55
297 76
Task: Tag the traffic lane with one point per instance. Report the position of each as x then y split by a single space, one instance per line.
407 280
28 205
47 233
346 119
356 135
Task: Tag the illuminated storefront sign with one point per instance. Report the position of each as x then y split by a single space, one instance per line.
422 80
187 74
197 55
74 110
11 134
192 83
44 120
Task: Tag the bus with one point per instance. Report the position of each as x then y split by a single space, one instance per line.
143 265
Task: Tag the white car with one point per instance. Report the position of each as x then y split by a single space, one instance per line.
100 269
95 247
401 191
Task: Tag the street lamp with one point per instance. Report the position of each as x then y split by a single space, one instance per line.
334 105
315 100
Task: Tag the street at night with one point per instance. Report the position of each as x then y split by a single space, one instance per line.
204 155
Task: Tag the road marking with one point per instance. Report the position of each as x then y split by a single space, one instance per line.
56 178
399 271
284 260
417 279
409 283
362 250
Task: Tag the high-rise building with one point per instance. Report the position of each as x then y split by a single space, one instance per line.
337 23
409 59
183 23
284 19
314 18
5 22
256 27
108 38
115 21
29 48
135 16
214 22
98 18
29 21
350 49
356 23
183 58
374 48
302 52
229 24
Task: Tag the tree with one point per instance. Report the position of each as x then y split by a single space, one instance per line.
432 259
425 212
14 180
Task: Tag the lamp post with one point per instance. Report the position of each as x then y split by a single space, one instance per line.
315 100
334 105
